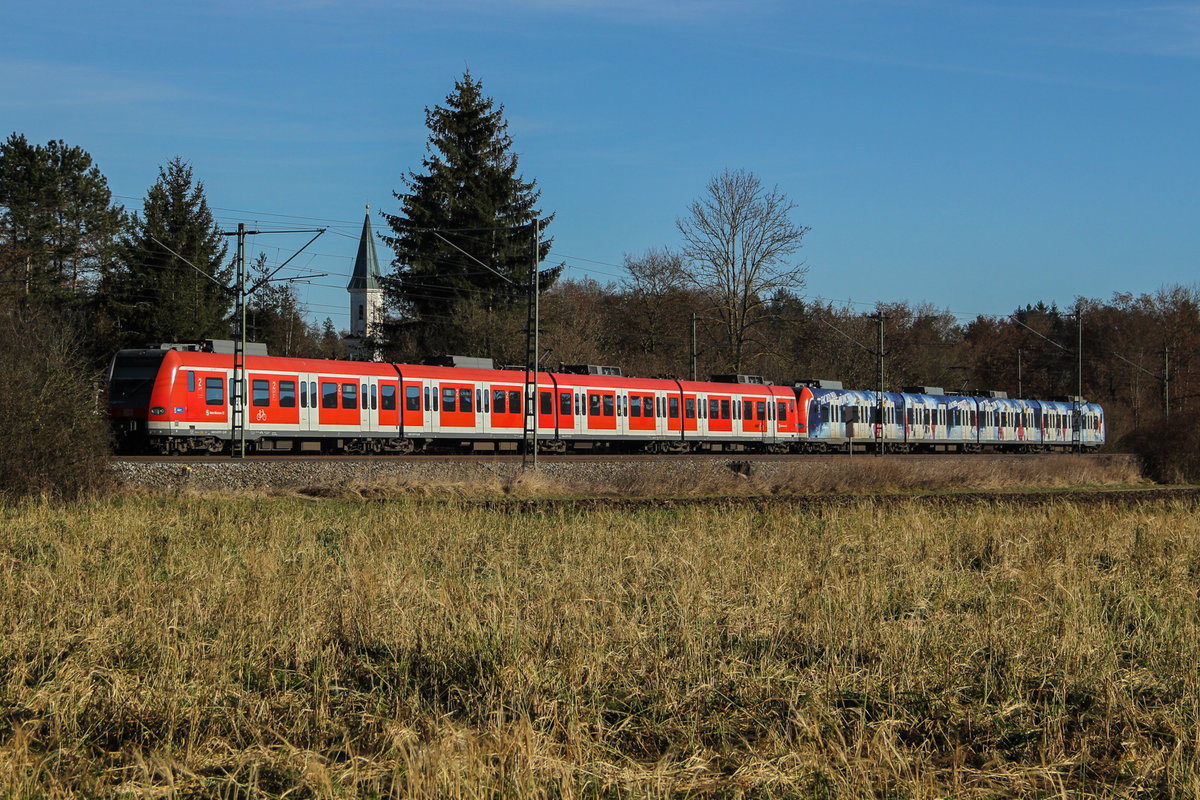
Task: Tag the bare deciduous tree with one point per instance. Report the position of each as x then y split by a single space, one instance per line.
655 279
738 238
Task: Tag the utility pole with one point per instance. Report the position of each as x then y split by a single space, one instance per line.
1020 390
693 345
532 358
1166 383
1078 426
237 395
237 435
879 418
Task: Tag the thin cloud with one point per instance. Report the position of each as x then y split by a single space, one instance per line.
47 84
634 10
1170 30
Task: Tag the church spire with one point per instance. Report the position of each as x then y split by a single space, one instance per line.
366 263
366 293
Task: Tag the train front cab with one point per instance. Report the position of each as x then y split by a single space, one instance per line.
839 420
132 376
1092 433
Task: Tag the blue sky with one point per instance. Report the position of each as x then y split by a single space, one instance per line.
975 156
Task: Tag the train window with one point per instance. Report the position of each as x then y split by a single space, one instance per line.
387 397
303 394
487 401
689 407
479 399
545 403
465 404
593 405
673 407
608 405
635 408
287 394
825 416
564 404
350 395
214 391
760 407
191 381
412 398
498 403
426 398
364 396
374 397
647 406
781 411
449 399
329 394
514 402
724 409
714 408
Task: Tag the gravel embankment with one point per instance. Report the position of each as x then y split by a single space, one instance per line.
684 476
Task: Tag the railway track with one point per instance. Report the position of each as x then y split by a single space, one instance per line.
619 458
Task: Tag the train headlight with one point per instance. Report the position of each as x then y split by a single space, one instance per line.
158 411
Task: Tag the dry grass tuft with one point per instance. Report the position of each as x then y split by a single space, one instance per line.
276 646
898 473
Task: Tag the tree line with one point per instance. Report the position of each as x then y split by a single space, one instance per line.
468 234
70 253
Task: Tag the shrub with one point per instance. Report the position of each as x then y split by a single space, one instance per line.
55 440
1169 449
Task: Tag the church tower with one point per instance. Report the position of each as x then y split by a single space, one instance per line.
366 295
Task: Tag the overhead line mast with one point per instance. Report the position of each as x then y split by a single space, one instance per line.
237 442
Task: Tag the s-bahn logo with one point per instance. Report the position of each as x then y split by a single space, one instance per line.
208 412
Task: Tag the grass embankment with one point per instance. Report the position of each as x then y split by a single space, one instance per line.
858 475
263 647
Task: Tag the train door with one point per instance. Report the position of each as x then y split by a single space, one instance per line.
547 422
566 411
762 425
389 407
674 413
412 417
689 413
368 405
306 399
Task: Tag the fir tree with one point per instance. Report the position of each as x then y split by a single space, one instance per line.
57 222
275 317
464 235
170 279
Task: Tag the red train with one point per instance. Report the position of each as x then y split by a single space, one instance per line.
180 401
170 400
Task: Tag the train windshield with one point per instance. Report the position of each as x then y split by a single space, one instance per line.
132 377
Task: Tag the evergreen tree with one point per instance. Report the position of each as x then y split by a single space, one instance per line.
170 279
464 235
275 318
57 222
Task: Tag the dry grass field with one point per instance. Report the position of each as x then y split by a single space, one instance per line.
271 646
